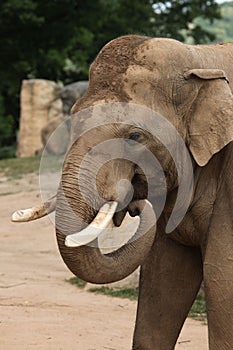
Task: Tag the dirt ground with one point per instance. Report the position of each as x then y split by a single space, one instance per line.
39 310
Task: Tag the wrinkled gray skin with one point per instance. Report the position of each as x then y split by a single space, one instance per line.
189 86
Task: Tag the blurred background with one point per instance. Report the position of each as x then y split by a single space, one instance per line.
56 40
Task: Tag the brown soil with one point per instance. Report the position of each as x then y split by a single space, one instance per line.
40 310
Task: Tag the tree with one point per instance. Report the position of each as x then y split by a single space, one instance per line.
58 39
222 29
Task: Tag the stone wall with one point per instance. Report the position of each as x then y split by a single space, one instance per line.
39 103
44 105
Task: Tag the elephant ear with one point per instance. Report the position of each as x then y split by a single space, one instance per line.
210 126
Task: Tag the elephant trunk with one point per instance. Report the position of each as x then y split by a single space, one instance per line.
87 262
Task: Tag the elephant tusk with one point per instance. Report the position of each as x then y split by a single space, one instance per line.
92 231
28 214
35 212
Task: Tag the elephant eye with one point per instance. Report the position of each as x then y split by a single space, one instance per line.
135 136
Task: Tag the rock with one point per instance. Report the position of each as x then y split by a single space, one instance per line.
71 93
39 102
55 109
56 142
44 106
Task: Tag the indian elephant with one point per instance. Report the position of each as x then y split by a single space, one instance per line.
191 87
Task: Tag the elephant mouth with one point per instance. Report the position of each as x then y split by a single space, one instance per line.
107 216
110 214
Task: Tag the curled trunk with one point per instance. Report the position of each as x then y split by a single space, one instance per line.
87 262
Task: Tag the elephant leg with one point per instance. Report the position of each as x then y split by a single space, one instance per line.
169 281
218 281
219 299
218 264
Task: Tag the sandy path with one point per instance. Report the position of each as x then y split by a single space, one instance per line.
40 310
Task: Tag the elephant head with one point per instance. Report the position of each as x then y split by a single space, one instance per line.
177 90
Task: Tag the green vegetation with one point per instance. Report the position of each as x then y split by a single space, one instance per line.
77 282
57 40
15 168
198 310
129 293
7 151
222 29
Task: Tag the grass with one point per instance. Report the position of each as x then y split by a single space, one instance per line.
15 168
129 293
198 310
77 282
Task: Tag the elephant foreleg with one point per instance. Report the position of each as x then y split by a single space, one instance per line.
170 279
218 279
218 262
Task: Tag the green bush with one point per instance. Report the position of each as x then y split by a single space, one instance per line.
7 137
7 152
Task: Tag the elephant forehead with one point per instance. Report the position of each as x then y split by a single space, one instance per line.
121 51
162 52
138 77
114 59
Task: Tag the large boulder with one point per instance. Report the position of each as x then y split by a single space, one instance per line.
39 103
56 142
71 93
45 105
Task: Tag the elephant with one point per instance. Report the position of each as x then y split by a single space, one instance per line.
190 87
